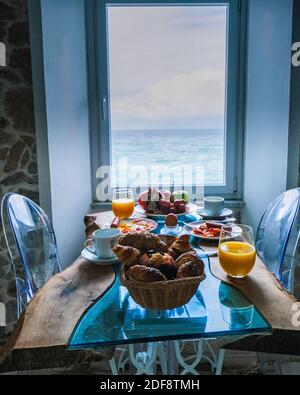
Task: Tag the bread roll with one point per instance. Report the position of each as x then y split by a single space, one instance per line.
145 274
188 257
144 260
180 246
190 269
165 264
142 241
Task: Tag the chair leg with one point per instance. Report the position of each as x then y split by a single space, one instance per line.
220 362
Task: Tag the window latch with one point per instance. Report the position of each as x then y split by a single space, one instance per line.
235 184
103 108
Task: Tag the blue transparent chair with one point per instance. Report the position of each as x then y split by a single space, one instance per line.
30 238
277 241
278 237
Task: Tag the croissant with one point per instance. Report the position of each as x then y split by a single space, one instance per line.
128 256
164 263
145 274
190 269
188 257
180 246
143 242
162 247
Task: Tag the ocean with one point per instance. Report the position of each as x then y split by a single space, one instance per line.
170 150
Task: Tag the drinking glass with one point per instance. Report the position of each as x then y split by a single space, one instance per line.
123 203
237 250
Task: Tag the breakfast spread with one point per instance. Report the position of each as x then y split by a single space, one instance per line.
164 202
146 258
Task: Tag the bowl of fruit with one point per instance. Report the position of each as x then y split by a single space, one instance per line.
155 203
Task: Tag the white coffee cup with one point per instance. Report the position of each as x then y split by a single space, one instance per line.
102 242
213 206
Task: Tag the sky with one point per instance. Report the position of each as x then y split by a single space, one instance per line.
167 67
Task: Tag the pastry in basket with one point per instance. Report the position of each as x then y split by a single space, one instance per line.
145 260
165 264
128 256
180 246
144 274
190 269
143 242
188 257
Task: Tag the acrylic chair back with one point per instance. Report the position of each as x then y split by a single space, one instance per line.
34 237
278 237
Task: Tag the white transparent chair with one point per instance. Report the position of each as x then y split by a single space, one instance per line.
30 238
277 242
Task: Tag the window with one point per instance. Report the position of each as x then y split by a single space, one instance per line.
167 80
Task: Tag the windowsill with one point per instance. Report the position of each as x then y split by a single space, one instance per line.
99 206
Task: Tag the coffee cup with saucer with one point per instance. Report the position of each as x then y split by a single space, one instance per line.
99 248
214 208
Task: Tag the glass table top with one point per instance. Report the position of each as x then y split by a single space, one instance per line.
216 310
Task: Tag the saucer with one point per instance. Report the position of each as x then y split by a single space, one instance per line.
225 213
86 254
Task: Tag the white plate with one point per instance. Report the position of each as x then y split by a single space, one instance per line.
86 254
225 214
192 208
188 228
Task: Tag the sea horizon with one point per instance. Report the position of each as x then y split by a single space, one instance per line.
171 150
167 130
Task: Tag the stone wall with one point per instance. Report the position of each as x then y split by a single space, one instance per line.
18 166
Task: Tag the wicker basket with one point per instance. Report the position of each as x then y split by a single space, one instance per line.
163 295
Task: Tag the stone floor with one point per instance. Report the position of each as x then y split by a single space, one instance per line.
86 370
236 363
232 368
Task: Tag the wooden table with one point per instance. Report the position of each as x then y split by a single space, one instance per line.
41 336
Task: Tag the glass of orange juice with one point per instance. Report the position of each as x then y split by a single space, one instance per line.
237 252
123 203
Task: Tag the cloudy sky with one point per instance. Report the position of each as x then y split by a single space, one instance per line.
167 67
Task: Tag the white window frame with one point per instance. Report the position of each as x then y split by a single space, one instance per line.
97 55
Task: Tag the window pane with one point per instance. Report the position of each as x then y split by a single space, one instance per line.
167 68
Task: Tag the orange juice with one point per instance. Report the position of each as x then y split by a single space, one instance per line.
237 258
123 208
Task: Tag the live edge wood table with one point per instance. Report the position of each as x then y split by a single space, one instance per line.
84 311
